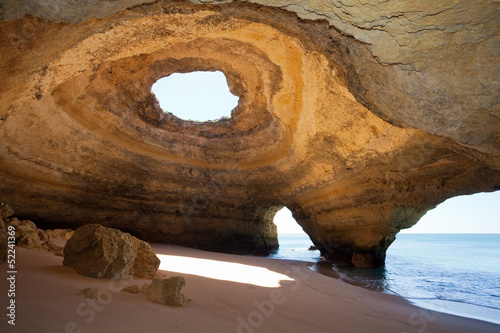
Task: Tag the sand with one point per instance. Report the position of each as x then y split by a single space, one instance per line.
228 293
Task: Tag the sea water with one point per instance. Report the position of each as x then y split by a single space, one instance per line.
453 273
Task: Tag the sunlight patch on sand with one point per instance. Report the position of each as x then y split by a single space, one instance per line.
221 270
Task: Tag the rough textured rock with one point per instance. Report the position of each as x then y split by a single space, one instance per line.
60 233
88 293
133 289
99 252
29 236
146 262
358 117
166 291
5 211
26 233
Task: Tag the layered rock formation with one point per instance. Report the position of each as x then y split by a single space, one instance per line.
358 117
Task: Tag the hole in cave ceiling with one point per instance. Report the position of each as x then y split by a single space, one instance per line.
195 96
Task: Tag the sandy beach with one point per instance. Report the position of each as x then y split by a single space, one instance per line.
228 293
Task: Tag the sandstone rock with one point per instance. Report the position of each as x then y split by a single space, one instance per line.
99 252
88 293
166 291
5 211
362 260
146 263
133 289
26 233
28 239
23 225
60 233
29 236
52 247
43 235
359 119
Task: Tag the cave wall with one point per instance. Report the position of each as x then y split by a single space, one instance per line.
358 117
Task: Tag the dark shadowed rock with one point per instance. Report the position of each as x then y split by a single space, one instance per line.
26 233
5 211
100 252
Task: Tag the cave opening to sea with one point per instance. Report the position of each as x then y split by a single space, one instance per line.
448 262
200 96
294 243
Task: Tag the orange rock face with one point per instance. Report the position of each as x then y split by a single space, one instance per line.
82 139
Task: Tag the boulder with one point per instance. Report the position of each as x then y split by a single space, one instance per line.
166 291
146 263
23 225
88 293
5 211
133 289
100 252
43 235
27 235
52 247
30 237
60 233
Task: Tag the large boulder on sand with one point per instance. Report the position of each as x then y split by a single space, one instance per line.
100 252
146 263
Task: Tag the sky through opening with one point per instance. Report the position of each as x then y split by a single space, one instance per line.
477 213
196 96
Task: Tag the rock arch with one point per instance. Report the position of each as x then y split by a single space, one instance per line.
357 141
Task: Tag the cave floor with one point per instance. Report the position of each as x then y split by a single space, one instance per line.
228 293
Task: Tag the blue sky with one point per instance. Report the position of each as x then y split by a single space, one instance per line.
477 213
205 96
198 96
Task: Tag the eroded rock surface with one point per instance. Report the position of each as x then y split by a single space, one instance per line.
166 291
26 234
358 117
99 252
5 211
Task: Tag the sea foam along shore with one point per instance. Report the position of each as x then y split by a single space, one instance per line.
228 293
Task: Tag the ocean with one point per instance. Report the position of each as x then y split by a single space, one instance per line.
452 273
